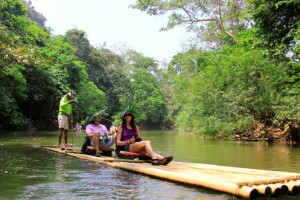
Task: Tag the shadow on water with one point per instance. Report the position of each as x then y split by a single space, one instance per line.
28 172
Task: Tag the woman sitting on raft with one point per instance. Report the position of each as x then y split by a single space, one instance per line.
128 132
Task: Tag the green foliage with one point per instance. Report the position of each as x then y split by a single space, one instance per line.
17 37
103 67
80 42
137 60
10 10
13 18
89 119
60 61
222 91
277 24
36 71
117 121
90 100
289 107
147 97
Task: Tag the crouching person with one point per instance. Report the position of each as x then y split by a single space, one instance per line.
98 135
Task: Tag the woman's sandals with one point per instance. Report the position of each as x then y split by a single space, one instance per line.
165 161
157 162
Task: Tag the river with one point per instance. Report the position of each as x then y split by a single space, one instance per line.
28 172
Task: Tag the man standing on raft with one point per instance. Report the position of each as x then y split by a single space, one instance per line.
65 111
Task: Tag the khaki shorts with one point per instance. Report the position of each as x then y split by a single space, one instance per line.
63 122
109 143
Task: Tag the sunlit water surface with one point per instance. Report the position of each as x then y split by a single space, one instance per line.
28 172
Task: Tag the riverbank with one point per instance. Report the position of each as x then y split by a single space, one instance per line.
282 133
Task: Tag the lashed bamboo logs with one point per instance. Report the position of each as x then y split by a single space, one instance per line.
221 178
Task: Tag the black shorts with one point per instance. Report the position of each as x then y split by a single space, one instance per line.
127 147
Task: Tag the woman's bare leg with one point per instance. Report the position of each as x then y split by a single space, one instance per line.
141 147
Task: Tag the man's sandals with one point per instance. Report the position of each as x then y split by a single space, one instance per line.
164 161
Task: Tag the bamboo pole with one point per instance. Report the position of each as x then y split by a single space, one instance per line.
71 119
105 160
264 190
237 170
276 190
297 182
279 179
284 188
128 161
293 188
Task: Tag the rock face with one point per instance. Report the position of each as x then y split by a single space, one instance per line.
282 132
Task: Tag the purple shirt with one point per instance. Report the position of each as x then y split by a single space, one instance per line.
127 134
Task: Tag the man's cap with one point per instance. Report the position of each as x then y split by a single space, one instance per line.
72 93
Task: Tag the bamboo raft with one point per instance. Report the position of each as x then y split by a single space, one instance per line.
240 182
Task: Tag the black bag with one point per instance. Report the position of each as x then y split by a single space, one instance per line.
85 145
119 148
137 138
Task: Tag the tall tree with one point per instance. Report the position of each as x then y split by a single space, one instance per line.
209 17
138 60
79 40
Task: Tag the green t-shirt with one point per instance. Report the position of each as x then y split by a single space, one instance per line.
64 106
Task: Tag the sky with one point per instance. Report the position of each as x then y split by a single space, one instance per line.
113 23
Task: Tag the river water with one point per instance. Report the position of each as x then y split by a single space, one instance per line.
29 172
